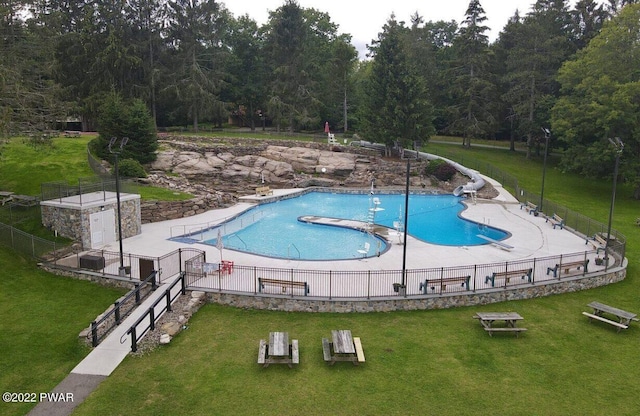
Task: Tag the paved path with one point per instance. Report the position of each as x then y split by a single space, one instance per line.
100 362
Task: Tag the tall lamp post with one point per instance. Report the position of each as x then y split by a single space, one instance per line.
122 271
619 146
547 134
406 226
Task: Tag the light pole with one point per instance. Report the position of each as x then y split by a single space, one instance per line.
619 146
406 225
547 134
116 153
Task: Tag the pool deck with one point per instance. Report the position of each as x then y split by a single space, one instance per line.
531 237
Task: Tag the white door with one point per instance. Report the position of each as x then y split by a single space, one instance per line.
103 228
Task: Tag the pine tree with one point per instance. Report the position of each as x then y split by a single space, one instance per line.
397 112
474 91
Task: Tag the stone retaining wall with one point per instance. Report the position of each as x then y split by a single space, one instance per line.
155 211
285 303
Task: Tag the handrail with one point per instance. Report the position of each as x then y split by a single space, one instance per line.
95 337
289 251
151 312
239 238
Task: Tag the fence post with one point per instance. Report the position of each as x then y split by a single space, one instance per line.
167 295
475 275
292 282
134 341
368 283
533 272
152 316
560 268
94 334
117 311
183 283
137 292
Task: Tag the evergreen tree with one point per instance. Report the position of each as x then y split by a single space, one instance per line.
474 91
397 110
291 100
119 118
543 42
196 29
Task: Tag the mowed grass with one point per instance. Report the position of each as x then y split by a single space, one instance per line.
421 362
41 317
23 168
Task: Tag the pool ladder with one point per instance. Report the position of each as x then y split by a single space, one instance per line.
289 251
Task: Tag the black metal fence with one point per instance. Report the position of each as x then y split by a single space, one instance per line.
122 308
368 284
148 320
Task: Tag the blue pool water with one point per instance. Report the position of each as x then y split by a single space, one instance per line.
273 229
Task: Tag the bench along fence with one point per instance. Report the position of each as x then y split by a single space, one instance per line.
331 284
148 320
121 309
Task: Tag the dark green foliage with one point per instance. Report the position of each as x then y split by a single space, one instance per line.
130 168
396 109
440 169
121 119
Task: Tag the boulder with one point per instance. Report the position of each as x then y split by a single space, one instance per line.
171 328
165 339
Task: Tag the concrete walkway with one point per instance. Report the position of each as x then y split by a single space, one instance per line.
99 364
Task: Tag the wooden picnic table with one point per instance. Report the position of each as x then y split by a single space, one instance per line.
5 196
278 350
509 318
343 348
599 309
25 200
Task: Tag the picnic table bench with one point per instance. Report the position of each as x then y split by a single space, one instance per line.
529 207
263 191
278 350
443 282
496 243
284 284
599 309
556 220
507 275
510 318
71 133
568 266
344 347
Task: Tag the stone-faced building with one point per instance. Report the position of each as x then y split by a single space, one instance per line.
92 218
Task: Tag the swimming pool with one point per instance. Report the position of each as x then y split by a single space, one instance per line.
273 229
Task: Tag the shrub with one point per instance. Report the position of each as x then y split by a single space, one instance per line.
440 169
130 168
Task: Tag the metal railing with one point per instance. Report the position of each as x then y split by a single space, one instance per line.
121 309
370 284
151 316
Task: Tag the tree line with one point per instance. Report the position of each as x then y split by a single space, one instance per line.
571 70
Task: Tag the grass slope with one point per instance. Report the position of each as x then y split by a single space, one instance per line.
41 316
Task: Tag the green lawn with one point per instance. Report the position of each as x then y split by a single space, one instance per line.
23 169
423 362
41 317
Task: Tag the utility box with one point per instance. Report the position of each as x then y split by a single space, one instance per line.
91 262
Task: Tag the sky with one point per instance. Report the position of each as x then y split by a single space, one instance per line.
363 20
